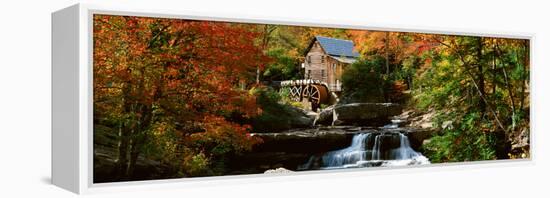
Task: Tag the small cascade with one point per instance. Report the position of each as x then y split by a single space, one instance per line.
334 118
369 150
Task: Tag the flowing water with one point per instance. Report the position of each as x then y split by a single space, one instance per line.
369 150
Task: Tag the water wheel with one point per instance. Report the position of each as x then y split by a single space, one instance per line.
316 94
295 93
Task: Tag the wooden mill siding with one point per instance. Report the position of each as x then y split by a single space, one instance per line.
316 63
334 68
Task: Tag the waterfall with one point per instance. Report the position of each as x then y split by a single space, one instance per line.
369 150
352 154
334 117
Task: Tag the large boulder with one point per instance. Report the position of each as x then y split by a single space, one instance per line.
418 136
361 114
284 117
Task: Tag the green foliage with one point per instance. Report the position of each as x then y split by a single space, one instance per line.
162 144
284 66
479 85
195 165
276 115
284 98
442 84
465 142
363 81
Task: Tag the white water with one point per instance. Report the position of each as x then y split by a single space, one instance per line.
366 152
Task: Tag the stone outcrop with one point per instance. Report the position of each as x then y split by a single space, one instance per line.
283 118
291 149
422 124
359 114
320 139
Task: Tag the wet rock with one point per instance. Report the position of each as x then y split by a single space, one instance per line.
369 149
292 148
419 137
324 139
366 111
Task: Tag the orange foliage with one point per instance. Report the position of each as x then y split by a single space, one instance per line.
190 70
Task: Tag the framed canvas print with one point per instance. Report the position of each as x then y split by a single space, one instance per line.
176 97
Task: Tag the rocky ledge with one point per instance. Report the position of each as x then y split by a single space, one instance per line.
361 114
323 139
291 149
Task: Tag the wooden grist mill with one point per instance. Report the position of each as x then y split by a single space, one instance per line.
325 60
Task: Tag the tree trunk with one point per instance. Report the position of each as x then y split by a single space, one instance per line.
494 69
258 74
525 77
122 151
140 137
386 50
268 29
124 135
511 94
134 154
144 122
480 76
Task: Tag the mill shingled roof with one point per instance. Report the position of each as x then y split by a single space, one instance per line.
337 47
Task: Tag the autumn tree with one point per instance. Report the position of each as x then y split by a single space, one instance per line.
162 77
